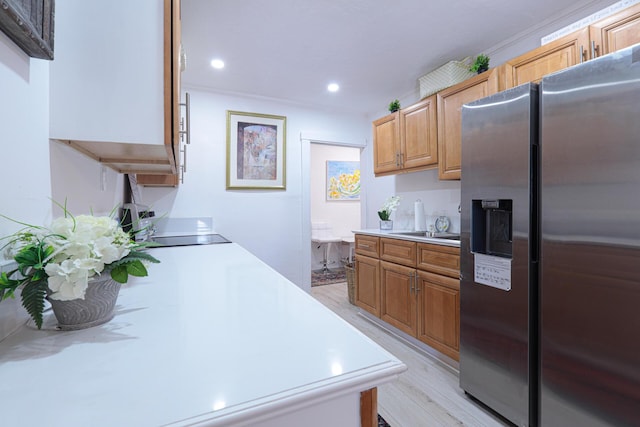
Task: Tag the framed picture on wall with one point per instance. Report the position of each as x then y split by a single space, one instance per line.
29 23
256 145
343 180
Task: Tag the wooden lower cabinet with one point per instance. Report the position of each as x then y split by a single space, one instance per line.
423 302
397 299
368 284
438 309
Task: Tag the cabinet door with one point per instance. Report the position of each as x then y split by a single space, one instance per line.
615 32
386 144
398 251
368 284
397 296
419 134
172 114
449 114
107 94
439 259
557 55
439 313
367 245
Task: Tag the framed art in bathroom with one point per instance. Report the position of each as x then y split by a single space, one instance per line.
256 151
343 180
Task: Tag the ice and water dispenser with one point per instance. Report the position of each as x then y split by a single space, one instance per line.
492 241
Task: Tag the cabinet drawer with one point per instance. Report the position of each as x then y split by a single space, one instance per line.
398 251
439 259
367 245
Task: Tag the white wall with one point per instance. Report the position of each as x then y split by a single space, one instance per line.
269 223
24 119
342 216
85 185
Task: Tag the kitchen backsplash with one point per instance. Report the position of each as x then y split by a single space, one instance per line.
436 203
438 198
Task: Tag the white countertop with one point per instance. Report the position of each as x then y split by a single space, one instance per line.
212 337
394 234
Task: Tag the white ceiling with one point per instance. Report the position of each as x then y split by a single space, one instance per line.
374 49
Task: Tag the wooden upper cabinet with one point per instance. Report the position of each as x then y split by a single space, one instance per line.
557 55
407 140
109 98
615 32
419 134
386 144
172 75
449 113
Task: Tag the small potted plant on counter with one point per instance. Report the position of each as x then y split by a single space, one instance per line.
384 213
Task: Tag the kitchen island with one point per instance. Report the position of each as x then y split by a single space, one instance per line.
212 337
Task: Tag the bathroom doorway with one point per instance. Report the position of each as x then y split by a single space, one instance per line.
334 207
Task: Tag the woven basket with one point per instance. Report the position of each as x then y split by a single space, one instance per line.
351 283
449 74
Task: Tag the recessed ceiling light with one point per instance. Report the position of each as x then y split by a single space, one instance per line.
333 87
217 64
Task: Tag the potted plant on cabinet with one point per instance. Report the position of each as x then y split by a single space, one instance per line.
394 106
481 64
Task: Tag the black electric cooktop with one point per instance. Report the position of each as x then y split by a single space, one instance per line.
196 239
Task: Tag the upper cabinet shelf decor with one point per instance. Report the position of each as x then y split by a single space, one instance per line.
29 23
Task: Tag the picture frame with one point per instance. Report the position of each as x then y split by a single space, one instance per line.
343 180
30 25
256 151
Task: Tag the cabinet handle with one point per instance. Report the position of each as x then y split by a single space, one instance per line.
186 121
581 54
364 246
594 49
184 159
411 284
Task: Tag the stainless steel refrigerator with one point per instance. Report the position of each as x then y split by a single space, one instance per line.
550 247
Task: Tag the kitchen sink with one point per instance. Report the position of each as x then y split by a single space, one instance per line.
447 236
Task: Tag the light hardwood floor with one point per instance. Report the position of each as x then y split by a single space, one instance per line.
427 394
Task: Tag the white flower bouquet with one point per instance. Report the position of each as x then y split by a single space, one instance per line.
58 262
390 205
